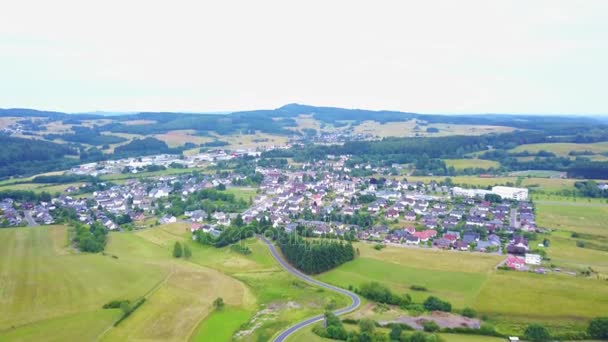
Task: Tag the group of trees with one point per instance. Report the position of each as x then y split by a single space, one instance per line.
313 257
382 294
210 200
20 156
91 238
180 250
86 135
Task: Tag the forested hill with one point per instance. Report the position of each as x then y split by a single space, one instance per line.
18 156
258 120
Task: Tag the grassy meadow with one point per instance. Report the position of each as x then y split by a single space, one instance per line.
510 300
461 164
49 291
562 149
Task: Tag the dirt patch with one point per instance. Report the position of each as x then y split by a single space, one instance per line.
443 319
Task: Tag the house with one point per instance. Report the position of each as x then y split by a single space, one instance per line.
412 240
470 237
442 243
515 262
461 245
168 219
425 235
392 214
519 245
532 259
410 216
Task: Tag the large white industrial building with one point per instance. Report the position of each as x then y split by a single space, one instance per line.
506 192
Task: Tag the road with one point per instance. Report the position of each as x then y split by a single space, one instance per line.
30 220
356 301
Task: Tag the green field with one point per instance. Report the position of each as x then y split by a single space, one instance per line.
562 149
580 216
50 291
461 164
511 300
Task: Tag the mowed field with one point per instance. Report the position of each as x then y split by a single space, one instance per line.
562 149
511 300
51 293
44 284
407 129
461 164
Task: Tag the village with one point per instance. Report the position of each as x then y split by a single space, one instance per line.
318 199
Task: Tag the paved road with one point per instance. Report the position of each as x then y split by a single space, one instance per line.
354 298
30 220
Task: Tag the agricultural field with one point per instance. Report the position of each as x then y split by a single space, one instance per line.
244 193
461 164
408 129
510 299
44 283
562 149
242 141
179 138
580 216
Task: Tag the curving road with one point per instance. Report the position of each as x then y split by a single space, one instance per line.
354 298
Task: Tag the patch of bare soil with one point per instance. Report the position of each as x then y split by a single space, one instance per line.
443 319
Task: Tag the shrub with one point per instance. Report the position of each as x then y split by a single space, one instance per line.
115 304
536 332
418 288
435 304
430 326
598 328
468 312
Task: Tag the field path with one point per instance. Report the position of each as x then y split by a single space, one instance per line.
356 301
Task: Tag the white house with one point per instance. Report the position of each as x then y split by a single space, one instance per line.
533 259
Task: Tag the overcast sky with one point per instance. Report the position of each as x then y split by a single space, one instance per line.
424 56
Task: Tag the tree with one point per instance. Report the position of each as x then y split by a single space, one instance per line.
435 304
598 328
367 325
218 303
124 307
468 312
536 332
430 326
187 252
177 250
395 332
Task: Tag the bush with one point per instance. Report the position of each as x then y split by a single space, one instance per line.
598 328
430 326
382 294
115 304
435 304
468 312
379 246
418 288
177 250
536 332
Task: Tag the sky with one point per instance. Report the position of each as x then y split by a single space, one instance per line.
515 56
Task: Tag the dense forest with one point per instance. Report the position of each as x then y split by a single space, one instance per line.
142 147
313 257
86 135
26 156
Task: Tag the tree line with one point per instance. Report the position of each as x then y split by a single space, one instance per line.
316 256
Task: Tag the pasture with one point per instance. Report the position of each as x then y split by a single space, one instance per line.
562 149
43 281
179 138
461 164
408 129
580 216
510 299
